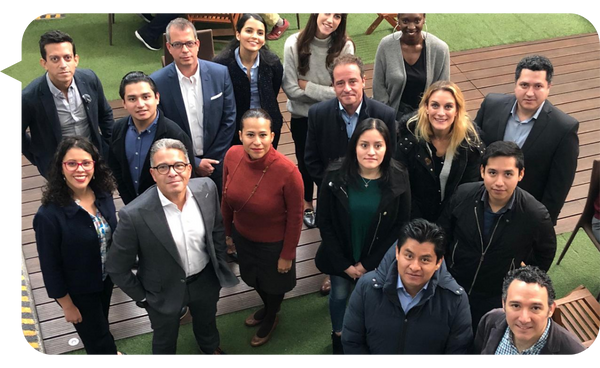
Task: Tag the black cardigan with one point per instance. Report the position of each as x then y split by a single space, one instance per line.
269 83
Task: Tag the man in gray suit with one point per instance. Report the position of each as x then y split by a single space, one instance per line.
176 230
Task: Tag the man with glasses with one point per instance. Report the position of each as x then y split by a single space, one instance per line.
198 96
177 232
133 135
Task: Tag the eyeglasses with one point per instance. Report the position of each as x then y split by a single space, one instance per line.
188 44
74 165
164 169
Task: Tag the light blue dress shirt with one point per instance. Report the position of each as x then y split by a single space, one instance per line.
406 300
351 121
517 131
254 96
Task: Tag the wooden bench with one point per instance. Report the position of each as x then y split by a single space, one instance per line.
579 312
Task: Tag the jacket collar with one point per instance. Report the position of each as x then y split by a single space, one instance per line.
72 208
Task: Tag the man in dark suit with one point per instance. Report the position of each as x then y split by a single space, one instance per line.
331 123
134 135
176 230
198 96
547 136
63 102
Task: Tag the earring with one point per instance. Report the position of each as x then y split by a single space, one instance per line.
396 31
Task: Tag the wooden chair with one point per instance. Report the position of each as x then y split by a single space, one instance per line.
585 221
206 51
111 21
217 18
579 312
390 17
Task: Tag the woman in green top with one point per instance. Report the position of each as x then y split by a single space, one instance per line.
364 201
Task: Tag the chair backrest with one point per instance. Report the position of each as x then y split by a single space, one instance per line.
579 312
588 209
206 51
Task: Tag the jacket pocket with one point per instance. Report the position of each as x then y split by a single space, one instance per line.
216 96
453 252
150 281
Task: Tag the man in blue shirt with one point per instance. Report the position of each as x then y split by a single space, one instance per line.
410 304
134 135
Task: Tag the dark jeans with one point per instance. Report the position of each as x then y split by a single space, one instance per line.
93 328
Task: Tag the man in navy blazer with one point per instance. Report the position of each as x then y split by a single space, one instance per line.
547 136
66 101
198 96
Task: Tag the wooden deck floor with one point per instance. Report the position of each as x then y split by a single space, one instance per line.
575 90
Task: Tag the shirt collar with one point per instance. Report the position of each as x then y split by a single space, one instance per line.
181 77
343 110
513 112
165 202
536 348
400 285
150 128
57 92
508 206
239 60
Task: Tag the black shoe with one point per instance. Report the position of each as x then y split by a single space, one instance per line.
153 45
336 343
309 219
183 312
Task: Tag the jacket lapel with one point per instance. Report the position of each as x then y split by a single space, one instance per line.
175 90
154 217
503 117
205 203
50 108
539 126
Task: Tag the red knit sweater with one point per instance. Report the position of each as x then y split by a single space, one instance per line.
274 212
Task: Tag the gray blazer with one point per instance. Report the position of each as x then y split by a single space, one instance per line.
143 231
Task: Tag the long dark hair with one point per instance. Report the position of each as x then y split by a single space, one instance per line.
336 43
349 168
228 52
56 189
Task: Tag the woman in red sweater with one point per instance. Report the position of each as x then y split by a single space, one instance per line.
262 196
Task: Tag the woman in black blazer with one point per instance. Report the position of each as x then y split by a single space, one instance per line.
73 231
256 72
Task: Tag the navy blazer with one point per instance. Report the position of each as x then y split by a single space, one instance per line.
550 150
219 105
68 246
117 160
39 115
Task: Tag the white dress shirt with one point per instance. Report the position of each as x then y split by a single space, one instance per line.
191 91
188 231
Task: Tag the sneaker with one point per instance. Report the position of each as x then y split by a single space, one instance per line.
277 31
151 45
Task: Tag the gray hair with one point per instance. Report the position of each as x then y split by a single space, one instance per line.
167 143
181 24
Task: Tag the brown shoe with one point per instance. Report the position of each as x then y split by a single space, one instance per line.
218 351
258 341
251 321
326 286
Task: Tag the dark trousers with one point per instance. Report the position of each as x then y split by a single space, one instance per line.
201 297
154 30
299 130
93 328
480 305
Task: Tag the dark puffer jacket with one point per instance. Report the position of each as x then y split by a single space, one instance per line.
375 322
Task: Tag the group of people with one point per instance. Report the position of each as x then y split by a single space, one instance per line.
426 217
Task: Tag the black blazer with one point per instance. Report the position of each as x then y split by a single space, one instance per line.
327 139
550 151
117 159
68 246
39 115
269 83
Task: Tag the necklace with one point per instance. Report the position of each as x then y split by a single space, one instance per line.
253 190
366 181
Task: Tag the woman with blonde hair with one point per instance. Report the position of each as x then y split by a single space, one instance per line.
441 148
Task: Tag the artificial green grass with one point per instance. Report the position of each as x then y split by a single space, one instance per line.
305 328
111 63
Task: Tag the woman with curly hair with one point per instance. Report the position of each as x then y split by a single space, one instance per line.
73 230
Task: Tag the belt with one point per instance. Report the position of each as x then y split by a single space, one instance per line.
193 278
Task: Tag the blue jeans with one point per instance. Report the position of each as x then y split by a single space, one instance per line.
338 298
